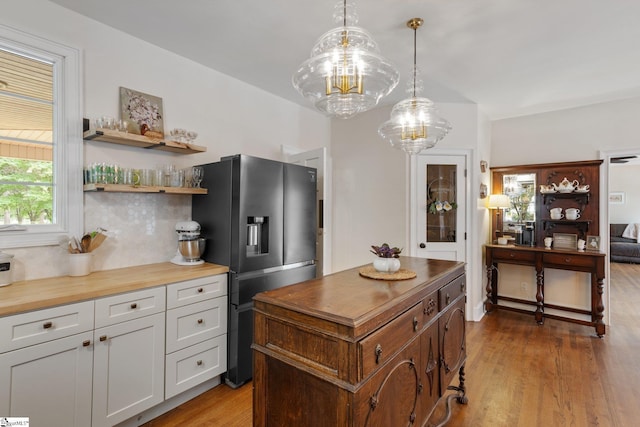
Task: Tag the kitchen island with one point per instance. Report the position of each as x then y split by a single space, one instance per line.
347 350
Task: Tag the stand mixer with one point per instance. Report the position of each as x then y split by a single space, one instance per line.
190 244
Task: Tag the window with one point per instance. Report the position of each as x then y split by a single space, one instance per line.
40 141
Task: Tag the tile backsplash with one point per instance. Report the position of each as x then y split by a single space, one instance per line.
141 230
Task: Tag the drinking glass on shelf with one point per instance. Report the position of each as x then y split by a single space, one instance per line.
197 173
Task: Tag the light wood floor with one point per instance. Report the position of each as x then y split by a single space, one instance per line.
518 373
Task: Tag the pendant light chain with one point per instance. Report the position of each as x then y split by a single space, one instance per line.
415 56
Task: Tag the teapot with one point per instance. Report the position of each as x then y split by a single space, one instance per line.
566 186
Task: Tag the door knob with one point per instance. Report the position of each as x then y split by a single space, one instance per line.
422 246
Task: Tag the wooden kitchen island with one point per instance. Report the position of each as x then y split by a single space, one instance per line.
347 350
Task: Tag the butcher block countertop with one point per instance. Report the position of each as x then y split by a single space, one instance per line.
43 293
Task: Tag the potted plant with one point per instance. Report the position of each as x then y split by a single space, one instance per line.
387 258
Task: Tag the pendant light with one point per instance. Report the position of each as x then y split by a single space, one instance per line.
415 124
346 74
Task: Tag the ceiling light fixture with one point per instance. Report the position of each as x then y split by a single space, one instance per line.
415 124
346 74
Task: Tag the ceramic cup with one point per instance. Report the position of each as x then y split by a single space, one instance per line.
581 244
555 215
548 241
573 213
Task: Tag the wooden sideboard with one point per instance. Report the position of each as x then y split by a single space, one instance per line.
345 350
541 258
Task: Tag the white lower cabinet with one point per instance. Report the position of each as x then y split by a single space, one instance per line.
49 380
128 357
99 363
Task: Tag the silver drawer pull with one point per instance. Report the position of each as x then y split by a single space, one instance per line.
567 260
134 306
415 324
199 363
200 321
447 299
47 325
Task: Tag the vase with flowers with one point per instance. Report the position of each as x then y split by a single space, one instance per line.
387 261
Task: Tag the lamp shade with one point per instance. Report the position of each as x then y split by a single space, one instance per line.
498 201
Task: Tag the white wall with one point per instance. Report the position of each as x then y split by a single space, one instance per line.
566 135
230 116
624 178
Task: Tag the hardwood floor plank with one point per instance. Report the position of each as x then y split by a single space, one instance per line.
518 373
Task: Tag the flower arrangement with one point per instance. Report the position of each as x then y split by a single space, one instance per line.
385 251
439 206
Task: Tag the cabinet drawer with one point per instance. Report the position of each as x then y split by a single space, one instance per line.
190 291
381 346
40 326
132 305
448 293
506 255
194 323
193 365
567 260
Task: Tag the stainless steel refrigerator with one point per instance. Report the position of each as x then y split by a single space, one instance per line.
259 218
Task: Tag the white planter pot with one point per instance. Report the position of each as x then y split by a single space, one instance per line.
386 265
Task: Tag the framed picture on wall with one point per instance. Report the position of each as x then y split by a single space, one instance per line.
616 197
593 243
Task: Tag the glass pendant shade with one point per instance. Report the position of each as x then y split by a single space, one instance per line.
414 125
346 74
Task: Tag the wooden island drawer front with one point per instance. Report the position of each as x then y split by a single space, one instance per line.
505 255
453 290
40 326
567 259
132 305
381 346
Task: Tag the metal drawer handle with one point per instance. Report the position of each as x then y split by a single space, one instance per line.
567 260
200 290
462 287
47 325
134 306
415 324
86 343
512 255
200 321
103 338
431 307
199 363
447 299
378 353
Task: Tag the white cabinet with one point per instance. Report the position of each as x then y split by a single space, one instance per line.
196 339
101 362
128 355
46 364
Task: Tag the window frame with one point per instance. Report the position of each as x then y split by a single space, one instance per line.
67 139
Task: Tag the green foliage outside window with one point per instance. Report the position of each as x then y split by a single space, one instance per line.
26 191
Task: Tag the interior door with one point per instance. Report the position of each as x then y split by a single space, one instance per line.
319 159
438 207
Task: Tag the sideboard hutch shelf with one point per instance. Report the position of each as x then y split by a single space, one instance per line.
581 198
141 141
581 226
121 188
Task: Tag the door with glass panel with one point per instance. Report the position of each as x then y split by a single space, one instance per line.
438 217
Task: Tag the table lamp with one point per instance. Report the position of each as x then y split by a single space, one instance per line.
499 202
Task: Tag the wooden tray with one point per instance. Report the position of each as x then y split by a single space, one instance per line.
371 273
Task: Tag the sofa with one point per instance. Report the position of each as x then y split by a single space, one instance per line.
623 249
